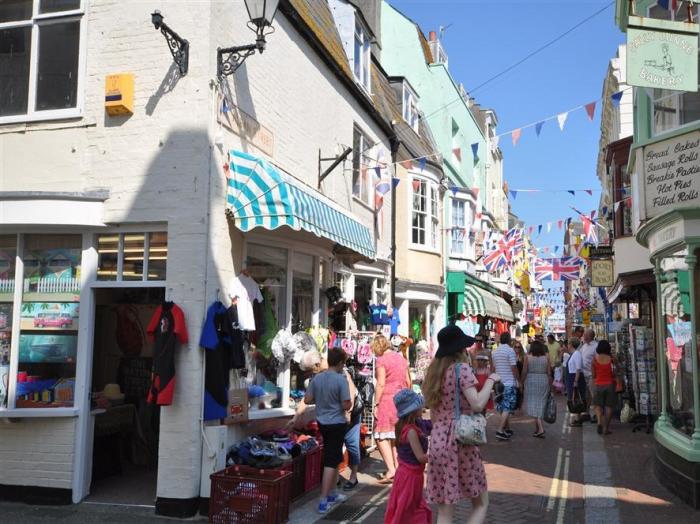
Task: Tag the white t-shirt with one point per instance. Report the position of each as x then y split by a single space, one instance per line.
587 353
246 291
575 362
503 358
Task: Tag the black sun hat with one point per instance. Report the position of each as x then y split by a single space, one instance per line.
451 341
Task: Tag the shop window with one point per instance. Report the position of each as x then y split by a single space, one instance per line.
361 67
302 291
8 256
40 49
673 109
132 257
677 315
48 340
361 158
425 211
458 227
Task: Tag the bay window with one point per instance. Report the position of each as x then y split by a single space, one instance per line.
41 47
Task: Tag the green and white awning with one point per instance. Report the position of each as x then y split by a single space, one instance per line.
260 195
671 299
478 301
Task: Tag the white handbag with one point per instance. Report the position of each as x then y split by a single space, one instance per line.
469 430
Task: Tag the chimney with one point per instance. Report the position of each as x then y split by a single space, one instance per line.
432 36
436 49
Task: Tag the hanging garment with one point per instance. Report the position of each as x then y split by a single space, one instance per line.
244 291
378 314
394 322
166 327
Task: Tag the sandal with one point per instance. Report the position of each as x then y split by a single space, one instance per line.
538 435
349 486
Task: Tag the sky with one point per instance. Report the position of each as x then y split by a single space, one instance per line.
486 37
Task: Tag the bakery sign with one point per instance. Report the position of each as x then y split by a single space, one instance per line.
662 54
671 177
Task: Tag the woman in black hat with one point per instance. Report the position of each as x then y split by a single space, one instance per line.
456 471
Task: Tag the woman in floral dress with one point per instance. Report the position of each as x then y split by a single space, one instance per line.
455 471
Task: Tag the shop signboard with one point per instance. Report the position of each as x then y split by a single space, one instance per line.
602 273
598 318
671 176
600 252
662 54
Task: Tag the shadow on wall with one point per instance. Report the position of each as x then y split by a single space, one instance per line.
170 80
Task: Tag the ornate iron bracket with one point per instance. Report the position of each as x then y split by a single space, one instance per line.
229 59
179 47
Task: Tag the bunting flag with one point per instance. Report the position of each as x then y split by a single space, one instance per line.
568 222
589 191
475 150
605 211
513 193
538 127
383 188
560 223
516 136
416 185
378 171
407 164
561 118
378 201
539 229
573 193
590 231
669 5
530 230
549 227
475 190
556 249
503 252
421 163
224 106
457 151
454 190
590 110
616 206
616 97
395 181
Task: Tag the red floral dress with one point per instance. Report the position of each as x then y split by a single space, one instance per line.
455 472
396 368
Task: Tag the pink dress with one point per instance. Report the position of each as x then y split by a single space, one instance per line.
455 472
396 368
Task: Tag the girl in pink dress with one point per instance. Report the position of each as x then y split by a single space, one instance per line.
455 471
392 376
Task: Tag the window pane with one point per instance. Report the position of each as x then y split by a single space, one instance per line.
356 162
302 291
133 256
665 114
107 255
13 10
157 256
690 108
49 318
357 66
15 55
8 252
57 80
52 6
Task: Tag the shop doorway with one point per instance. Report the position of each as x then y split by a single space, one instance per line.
126 428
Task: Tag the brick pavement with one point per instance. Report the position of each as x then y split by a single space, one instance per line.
522 487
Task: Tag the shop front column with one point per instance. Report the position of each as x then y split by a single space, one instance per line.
692 260
661 357
428 312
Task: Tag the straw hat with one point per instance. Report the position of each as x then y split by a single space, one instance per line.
113 392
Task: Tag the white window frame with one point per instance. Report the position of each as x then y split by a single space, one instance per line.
361 37
456 202
119 280
677 101
37 20
432 216
365 152
410 107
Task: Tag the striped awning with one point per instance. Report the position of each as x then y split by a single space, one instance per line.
478 301
260 195
671 299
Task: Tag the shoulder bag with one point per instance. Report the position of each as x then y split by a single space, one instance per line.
469 430
550 409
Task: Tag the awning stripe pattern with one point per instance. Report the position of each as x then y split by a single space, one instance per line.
478 301
260 195
671 299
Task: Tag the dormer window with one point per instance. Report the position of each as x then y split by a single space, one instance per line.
410 106
362 55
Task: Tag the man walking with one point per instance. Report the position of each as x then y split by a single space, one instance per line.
505 364
554 350
587 353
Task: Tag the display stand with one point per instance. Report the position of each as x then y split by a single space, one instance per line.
643 359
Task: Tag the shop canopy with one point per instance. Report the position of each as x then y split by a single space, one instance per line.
261 195
478 301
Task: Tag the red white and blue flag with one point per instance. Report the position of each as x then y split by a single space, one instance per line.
504 250
564 268
590 230
669 4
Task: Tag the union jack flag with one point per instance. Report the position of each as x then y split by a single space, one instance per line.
589 229
564 268
504 250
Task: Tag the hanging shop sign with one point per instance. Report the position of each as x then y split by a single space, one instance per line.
245 126
601 252
602 273
662 54
671 174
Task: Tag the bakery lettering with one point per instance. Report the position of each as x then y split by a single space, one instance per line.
672 174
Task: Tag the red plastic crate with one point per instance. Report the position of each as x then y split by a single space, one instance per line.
244 495
314 461
297 467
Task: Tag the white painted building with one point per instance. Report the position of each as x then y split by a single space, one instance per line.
132 208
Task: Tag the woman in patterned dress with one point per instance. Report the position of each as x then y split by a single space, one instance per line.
537 379
455 471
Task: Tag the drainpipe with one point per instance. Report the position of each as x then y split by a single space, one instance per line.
394 143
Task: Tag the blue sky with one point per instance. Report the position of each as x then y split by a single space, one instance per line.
485 38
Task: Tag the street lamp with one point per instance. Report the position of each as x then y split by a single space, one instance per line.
261 14
179 47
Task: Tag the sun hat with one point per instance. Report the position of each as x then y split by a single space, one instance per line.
451 341
113 392
406 402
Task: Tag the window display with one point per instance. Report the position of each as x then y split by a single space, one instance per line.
8 253
49 321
